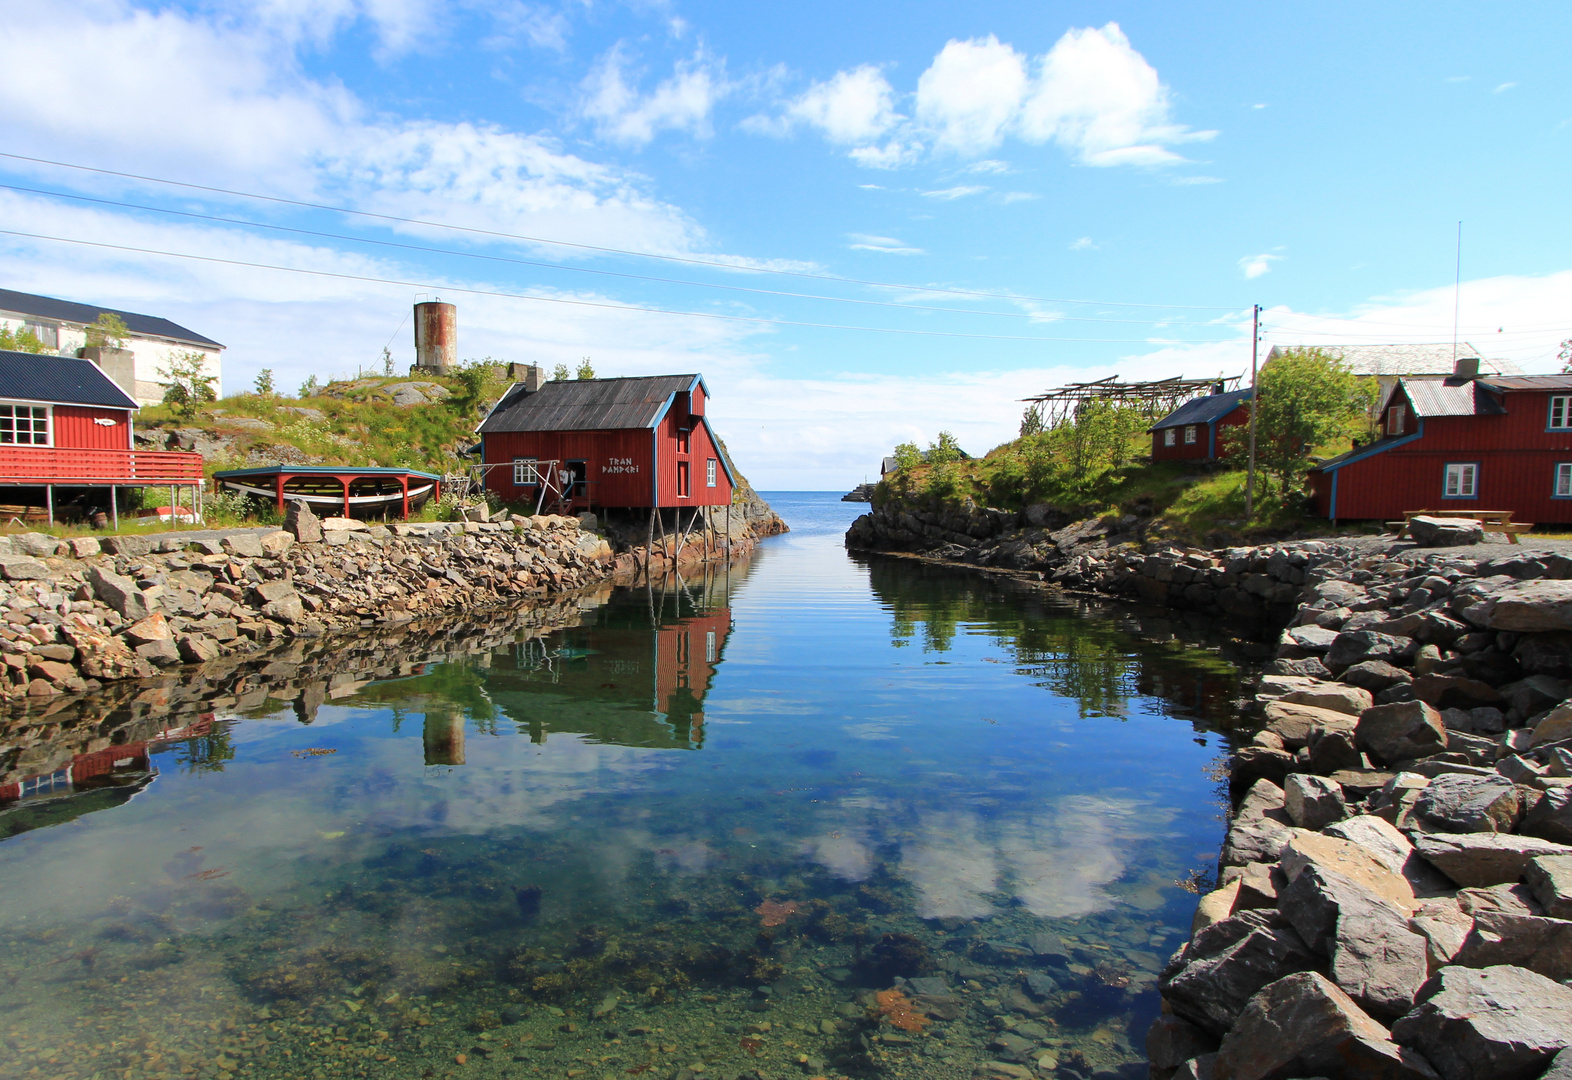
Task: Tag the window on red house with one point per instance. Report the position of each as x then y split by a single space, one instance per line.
1189 434
1396 416
682 441
682 479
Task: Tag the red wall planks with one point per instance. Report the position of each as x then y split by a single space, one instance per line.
76 428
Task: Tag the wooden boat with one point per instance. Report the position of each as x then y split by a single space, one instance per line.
331 490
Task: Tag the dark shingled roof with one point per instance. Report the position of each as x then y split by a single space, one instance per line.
47 307
586 404
1529 382
1203 410
61 380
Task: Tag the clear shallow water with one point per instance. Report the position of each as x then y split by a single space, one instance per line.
700 829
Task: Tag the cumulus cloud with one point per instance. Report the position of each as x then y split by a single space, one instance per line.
856 106
1256 265
970 93
683 102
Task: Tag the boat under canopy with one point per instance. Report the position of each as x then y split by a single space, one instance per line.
369 492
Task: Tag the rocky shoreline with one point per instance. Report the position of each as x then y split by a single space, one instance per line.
83 613
1394 896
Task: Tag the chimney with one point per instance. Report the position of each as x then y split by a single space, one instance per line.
532 378
1467 367
1217 387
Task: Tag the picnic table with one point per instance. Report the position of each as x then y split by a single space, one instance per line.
1493 520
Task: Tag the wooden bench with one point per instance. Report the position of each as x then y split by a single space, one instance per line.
1499 521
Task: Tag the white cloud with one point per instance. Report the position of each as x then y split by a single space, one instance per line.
1503 88
1083 243
958 192
892 154
1018 196
970 93
988 166
683 102
1256 265
856 106
887 245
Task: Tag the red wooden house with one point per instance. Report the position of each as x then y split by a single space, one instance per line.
596 443
1502 442
65 434
1195 430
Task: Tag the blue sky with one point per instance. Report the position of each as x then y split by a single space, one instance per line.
1120 181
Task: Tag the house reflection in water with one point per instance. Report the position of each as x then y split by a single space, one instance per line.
442 735
635 673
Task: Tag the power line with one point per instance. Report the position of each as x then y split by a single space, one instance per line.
561 266
573 303
716 263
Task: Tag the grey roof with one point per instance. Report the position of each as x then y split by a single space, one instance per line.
63 380
587 404
1531 382
886 466
1203 410
1451 397
47 307
1426 359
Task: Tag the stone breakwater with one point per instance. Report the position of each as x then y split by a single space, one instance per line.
80 613
1394 896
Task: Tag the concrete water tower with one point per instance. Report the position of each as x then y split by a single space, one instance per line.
436 337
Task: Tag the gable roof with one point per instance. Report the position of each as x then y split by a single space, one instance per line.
47 307
1530 382
63 380
1418 359
1203 410
588 404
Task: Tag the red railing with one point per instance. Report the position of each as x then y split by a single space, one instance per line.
58 465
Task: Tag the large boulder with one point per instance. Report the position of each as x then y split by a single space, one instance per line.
1375 675
1532 941
1295 722
1388 844
1338 697
1427 531
1549 877
1462 803
120 593
1401 731
1303 1025
1541 606
1313 802
1357 646
1484 859
1170 1042
1350 860
1227 963
1499 1023
301 523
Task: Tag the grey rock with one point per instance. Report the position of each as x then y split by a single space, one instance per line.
1304 1026
1337 697
1312 639
1170 1042
1356 646
1387 843
1313 802
1560 1067
1040 984
1512 897
1469 804
243 545
164 653
1377 959
1309 666
39 545
1535 942
1427 531
1401 731
1444 928
1261 840
22 568
1500 1023
1314 901
1549 877
301 523
1375 675
1228 963
134 546
1525 606
120 593
268 591
1484 859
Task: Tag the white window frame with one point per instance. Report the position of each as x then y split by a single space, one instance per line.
1461 480
1169 436
48 333
1396 419
1190 434
523 478
710 469
1560 418
1562 486
48 418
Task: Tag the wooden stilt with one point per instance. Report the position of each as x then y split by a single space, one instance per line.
114 506
49 502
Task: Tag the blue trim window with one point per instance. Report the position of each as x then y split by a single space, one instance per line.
524 474
1564 480
1560 413
1462 480
1168 436
1189 434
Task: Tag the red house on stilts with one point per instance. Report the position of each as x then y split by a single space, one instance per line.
591 444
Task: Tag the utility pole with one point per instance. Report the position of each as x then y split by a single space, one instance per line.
1255 348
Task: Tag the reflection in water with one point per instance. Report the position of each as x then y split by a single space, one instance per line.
621 835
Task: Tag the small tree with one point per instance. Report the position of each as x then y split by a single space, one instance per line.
387 360
190 386
560 373
21 340
586 369
1307 399
264 383
309 387
1031 421
108 330
1565 356
907 458
942 455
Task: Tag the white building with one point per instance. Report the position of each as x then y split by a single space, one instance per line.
150 344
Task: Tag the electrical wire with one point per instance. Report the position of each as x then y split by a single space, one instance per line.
563 266
581 303
496 234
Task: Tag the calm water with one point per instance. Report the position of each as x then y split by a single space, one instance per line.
701 829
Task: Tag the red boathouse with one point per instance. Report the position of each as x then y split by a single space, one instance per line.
596 443
65 437
1502 442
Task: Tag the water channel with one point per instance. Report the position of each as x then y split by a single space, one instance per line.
812 815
